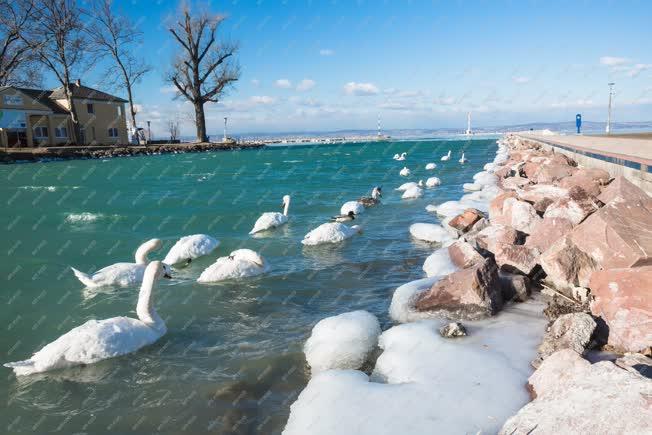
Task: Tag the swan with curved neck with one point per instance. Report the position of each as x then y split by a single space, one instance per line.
402 157
271 220
121 274
446 157
463 159
97 340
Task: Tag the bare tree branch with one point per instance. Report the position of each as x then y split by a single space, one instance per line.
18 64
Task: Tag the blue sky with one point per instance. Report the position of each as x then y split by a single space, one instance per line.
327 65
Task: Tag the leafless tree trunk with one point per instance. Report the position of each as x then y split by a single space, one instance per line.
17 63
58 42
204 68
173 127
117 37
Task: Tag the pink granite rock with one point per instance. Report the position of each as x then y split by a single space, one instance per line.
513 183
623 298
552 172
569 331
517 258
496 206
590 185
623 188
548 231
469 293
573 396
537 192
566 266
464 255
520 215
495 235
464 221
575 207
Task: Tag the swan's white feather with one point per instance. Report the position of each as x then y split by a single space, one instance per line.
121 274
269 220
405 186
191 247
432 182
430 166
241 263
412 192
354 206
331 232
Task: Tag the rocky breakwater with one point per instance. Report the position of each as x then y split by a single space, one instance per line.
583 239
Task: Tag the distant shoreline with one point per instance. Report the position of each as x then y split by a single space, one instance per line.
34 155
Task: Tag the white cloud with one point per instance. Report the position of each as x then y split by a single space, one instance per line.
326 52
445 101
635 70
283 83
262 99
613 61
255 82
520 80
360 89
305 85
171 89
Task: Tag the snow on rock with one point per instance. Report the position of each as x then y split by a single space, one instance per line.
439 263
342 342
430 233
485 178
353 206
424 383
472 187
448 208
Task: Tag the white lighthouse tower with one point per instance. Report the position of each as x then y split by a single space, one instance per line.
468 124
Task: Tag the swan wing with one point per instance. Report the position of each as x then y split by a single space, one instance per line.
226 268
191 247
268 221
331 232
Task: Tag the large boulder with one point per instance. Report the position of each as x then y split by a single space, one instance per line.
590 185
493 236
515 287
573 396
566 266
623 298
514 183
464 255
552 172
496 206
470 293
464 221
619 234
517 258
569 331
538 192
620 187
520 215
548 231
575 207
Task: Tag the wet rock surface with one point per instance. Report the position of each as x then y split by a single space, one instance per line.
570 331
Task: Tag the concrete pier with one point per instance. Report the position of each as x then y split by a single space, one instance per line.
629 156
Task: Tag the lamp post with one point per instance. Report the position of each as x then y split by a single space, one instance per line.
611 94
225 118
149 132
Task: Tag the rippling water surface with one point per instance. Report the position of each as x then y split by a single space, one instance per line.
231 360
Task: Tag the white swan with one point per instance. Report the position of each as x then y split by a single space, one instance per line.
331 232
405 172
412 192
430 166
190 247
396 156
432 182
352 206
97 340
463 159
421 183
240 263
121 274
402 157
270 220
446 157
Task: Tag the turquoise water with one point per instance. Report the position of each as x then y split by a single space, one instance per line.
232 359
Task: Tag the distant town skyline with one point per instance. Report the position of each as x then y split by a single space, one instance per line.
323 66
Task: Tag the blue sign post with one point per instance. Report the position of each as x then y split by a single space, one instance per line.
578 122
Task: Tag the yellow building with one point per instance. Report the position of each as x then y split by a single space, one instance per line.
35 117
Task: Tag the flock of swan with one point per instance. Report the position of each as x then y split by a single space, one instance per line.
97 340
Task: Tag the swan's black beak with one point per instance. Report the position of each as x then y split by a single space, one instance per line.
167 276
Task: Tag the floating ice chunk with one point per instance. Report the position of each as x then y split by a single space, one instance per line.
430 232
439 263
475 200
472 187
485 178
405 186
401 308
342 342
490 167
432 182
412 192
448 208
353 206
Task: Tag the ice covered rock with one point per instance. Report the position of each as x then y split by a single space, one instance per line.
448 208
566 266
353 206
548 231
569 331
576 397
520 215
575 207
469 293
464 221
453 330
623 298
517 258
430 233
472 187
439 263
463 255
485 178
342 342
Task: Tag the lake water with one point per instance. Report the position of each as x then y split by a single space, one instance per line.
232 359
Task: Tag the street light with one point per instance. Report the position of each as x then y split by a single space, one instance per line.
611 94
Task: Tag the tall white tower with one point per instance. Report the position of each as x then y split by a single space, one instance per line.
611 94
468 124
225 118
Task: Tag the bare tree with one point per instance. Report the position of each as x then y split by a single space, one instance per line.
173 128
204 67
57 40
117 37
17 63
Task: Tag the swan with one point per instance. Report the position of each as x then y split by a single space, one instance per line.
463 159
401 157
352 206
331 232
405 172
190 247
396 157
121 274
421 183
432 182
412 192
271 220
374 199
446 157
344 217
430 166
97 340
240 263
405 186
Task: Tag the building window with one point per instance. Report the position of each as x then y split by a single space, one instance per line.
113 132
40 132
90 108
61 132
